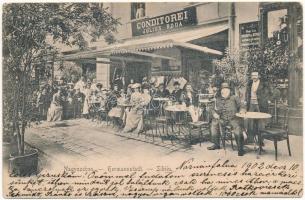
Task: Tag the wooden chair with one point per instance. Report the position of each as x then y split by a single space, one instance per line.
164 121
200 126
148 116
278 131
227 135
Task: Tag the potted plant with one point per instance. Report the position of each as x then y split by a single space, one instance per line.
28 29
233 71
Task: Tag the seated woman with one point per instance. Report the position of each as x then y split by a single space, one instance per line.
55 111
189 96
190 99
134 120
116 112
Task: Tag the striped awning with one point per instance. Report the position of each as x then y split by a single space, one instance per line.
134 46
144 47
162 45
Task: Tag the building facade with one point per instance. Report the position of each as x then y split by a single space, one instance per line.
182 39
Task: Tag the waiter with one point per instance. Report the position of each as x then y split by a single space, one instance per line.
258 94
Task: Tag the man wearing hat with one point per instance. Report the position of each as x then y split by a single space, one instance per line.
177 93
258 94
224 114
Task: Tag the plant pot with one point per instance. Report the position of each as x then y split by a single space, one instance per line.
25 165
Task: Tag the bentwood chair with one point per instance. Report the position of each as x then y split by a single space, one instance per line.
148 116
226 135
164 121
200 126
277 130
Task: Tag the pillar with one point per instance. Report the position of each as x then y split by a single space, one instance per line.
103 71
295 121
232 17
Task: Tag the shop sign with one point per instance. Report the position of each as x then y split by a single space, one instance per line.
249 35
170 21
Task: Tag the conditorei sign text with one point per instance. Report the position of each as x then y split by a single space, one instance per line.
175 20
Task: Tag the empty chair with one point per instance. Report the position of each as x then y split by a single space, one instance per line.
278 131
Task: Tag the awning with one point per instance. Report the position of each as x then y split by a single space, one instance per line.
179 36
166 44
107 53
169 40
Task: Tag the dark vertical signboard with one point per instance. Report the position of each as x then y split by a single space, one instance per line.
249 35
170 21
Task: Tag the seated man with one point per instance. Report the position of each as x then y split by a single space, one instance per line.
162 92
224 115
176 95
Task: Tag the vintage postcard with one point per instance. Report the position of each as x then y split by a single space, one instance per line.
152 99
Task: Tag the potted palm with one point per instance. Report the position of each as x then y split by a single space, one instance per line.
28 29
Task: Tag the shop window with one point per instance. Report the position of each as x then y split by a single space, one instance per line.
137 10
277 24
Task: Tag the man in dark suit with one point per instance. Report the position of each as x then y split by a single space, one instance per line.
224 114
162 92
258 94
177 93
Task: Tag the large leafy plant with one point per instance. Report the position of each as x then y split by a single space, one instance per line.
31 29
232 69
271 60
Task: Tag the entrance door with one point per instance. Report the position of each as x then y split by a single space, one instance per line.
137 71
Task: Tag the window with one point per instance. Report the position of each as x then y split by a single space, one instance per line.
137 10
277 24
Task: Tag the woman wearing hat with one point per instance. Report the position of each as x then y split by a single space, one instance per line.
55 111
87 93
134 120
116 112
189 96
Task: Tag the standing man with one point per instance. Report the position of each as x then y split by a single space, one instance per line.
224 114
258 94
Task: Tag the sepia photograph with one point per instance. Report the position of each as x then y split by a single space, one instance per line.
152 99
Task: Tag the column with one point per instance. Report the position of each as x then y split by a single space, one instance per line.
232 17
295 121
103 71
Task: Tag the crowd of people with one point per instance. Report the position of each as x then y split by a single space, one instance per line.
126 107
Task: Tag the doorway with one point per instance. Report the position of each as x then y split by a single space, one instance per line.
137 71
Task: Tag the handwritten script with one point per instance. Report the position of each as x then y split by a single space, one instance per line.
220 178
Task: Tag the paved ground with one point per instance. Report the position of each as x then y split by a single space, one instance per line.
84 141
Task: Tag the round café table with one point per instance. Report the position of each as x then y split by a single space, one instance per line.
180 108
161 101
256 116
